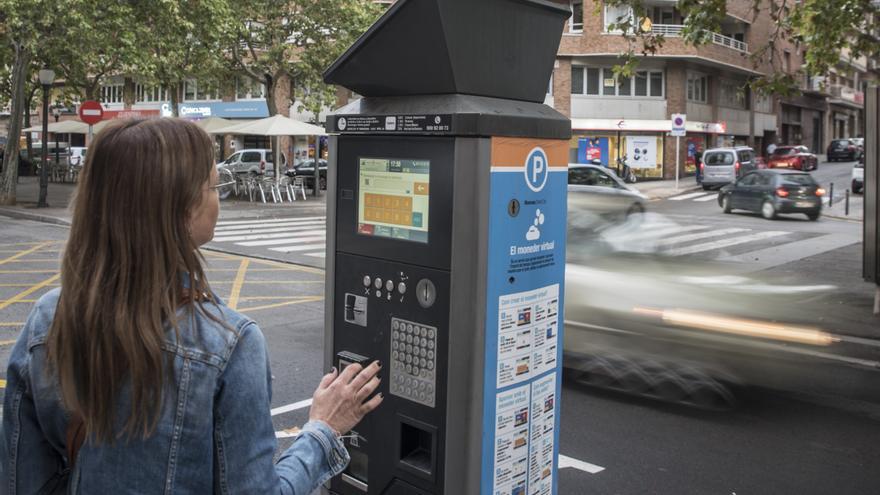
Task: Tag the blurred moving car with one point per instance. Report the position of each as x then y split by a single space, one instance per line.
794 157
644 321
843 149
858 176
722 166
771 192
257 161
599 191
306 168
78 155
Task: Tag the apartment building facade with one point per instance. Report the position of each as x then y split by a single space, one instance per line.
613 116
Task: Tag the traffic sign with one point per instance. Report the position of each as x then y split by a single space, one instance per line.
91 112
679 121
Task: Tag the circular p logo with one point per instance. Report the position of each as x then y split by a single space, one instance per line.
536 170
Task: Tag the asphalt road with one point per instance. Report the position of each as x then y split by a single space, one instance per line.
772 443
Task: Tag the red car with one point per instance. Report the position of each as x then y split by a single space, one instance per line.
793 157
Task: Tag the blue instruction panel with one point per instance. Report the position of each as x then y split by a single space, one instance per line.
524 320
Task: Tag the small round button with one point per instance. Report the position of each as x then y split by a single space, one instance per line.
409 368
394 345
430 344
424 332
409 339
431 333
415 369
426 374
408 359
423 353
395 325
423 362
430 388
422 397
367 280
389 285
395 335
378 293
377 283
422 385
424 341
430 354
394 355
401 287
430 365
409 328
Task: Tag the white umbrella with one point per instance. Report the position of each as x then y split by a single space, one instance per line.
63 127
277 125
215 125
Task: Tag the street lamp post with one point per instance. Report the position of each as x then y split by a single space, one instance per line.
47 77
56 112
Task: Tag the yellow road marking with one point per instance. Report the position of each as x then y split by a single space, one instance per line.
278 305
47 260
239 281
24 253
12 324
271 298
2 383
26 285
6 342
10 244
25 293
18 301
13 251
7 272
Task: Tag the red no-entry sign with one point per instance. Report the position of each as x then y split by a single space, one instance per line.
91 112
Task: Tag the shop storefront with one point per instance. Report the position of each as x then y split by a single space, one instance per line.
645 144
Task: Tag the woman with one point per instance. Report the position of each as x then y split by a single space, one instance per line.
171 387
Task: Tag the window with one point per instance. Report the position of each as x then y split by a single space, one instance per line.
732 94
786 61
200 90
248 89
593 81
577 80
576 21
150 94
697 88
113 91
617 14
585 176
251 156
662 15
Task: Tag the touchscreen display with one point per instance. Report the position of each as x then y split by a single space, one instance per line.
393 197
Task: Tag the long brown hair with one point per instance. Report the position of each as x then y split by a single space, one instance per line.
122 271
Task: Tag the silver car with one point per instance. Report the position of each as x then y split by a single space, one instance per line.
721 166
256 161
598 190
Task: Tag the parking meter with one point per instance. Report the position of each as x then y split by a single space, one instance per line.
446 216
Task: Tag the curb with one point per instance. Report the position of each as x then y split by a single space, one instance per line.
26 215
652 197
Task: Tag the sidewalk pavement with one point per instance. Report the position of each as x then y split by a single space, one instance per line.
838 209
59 196
660 189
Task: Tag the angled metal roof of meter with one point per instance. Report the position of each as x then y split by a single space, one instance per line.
495 48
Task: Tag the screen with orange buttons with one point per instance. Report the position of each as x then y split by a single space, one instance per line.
393 197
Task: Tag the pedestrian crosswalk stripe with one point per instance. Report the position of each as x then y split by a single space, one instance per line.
285 240
655 233
321 254
258 226
270 220
686 196
709 246
275 235
698 236
290 249
708 198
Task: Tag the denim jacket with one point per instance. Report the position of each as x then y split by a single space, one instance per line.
215 433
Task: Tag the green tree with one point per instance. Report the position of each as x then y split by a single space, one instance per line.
186 39
297 39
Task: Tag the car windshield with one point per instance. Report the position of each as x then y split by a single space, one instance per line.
785 151
840 142
798 180
718 159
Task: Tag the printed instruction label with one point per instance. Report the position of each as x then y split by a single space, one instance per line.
528 334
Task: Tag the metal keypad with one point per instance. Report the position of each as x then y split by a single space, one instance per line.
413 370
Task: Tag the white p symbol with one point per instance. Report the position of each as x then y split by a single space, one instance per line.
535 171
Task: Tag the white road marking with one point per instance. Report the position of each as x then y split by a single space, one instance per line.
291 407
271 220
278 235
569 462
322 254
687 196
699 235
652 233
708 198
286 240
709 246
793 251
275 227
290 249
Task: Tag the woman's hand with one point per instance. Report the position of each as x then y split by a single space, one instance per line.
341 398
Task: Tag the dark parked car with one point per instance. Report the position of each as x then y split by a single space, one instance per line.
306 168
771 192
844 149
794 157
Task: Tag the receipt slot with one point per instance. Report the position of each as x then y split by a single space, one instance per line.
446 220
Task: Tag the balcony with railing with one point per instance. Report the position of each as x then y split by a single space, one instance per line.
674 31
847 94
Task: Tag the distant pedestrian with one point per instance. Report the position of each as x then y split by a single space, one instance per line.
135 377
771 148
698 161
